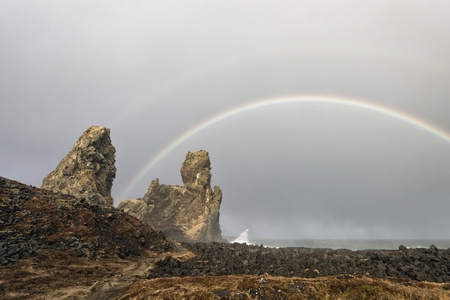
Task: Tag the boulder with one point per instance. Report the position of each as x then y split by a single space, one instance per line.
88 170
184 213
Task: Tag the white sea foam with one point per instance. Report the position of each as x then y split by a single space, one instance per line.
242 238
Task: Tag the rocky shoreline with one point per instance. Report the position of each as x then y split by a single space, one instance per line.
220 259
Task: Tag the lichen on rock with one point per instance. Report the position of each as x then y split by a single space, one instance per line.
88 170
184 213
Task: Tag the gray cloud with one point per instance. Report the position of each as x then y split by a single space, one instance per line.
152 70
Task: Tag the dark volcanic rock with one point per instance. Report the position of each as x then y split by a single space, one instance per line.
188 213
236 259
32 219
88 170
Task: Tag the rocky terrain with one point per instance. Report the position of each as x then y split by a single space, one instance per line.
67 241
88 170
33 219
220 259
183 213
55 246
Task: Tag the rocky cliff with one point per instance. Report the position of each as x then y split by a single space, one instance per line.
88 170
184 213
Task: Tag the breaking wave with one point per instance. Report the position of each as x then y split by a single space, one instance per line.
242 238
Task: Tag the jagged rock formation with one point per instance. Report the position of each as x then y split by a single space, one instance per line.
187 213
88 170
33 219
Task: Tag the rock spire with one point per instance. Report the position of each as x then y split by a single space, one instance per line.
88 170
187 213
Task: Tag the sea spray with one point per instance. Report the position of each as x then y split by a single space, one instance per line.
242 238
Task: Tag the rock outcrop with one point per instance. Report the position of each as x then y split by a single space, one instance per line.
33 219
187 213
88 170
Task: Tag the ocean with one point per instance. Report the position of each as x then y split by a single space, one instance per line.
351 244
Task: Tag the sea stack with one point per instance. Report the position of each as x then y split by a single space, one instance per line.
188 213
88 170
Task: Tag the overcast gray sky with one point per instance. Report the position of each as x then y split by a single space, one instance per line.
151 70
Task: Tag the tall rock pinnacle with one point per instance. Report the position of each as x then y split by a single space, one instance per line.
187 213
88 170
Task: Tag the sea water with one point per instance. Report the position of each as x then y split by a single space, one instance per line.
351 244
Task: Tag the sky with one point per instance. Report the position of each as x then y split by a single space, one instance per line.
168 77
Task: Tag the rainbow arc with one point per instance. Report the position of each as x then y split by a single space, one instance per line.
313 99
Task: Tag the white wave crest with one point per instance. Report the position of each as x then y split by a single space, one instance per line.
242 238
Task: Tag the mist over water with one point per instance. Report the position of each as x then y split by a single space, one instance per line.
351 244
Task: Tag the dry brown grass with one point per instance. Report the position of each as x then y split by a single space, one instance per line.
241 287
57 274
59 271
55 270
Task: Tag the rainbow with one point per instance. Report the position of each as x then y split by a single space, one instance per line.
383 110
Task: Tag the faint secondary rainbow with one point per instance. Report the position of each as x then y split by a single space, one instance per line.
383 110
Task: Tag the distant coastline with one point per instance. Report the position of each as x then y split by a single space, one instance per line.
350 244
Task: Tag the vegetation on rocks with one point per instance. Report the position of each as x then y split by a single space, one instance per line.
52 270
281 288
33 219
